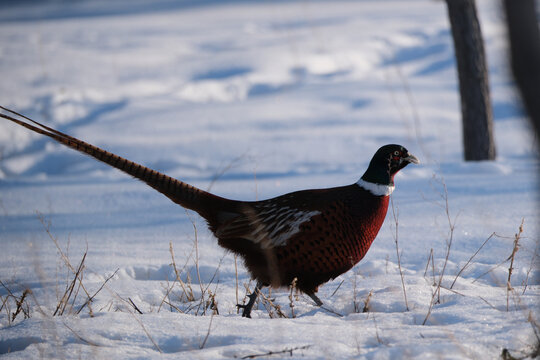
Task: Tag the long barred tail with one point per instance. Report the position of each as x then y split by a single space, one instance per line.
179 192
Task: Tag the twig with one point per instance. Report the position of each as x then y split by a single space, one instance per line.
450 237
62 304
267 300
138 320
20 303
430 260
91 298
236 282
173 306
168 290
147 333
46 227
65 258
223 170
395 214
355 302
91 343
189 295
335 291
291 301
211 303
270 353
376 330
490 270
196 243
331 311
207 333
433 281
134 306
511 268
452 291
470 259
5 303
215 273
366 302
451 224
38 307
487 302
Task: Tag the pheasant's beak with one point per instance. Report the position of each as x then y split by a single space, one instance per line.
411 159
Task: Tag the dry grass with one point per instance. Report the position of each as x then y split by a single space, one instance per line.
19 303
186 299
531 351
273 309
292 288
192 296
288 351
468 261
436 294
395 215
71 300
512 257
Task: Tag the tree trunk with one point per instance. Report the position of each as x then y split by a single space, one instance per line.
476 111
524 38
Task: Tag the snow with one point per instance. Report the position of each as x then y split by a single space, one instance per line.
254 99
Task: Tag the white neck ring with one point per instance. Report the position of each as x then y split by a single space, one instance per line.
376 189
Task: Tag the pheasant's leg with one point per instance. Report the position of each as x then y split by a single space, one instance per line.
252 297
316 299
320 304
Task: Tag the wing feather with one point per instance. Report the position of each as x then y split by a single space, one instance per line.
268 225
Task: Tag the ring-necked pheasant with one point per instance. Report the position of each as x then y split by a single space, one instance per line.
311 235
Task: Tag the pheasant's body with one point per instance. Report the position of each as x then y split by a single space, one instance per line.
328 232
311 235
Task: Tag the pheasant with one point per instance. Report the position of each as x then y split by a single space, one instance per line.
309 236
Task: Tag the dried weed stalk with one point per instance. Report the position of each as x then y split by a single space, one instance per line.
194 304
20 303
436 295
512 256
270 353
395 214
292 288
470 259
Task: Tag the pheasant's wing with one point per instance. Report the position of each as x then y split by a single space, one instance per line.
268 224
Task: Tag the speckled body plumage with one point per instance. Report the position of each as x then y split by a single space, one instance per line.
311 235
344 223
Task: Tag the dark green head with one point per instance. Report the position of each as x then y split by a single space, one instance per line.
386 162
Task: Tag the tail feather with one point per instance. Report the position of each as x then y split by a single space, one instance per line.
179 192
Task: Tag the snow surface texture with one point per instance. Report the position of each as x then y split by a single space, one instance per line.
254 99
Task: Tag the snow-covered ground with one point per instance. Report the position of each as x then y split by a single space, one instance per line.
254 99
